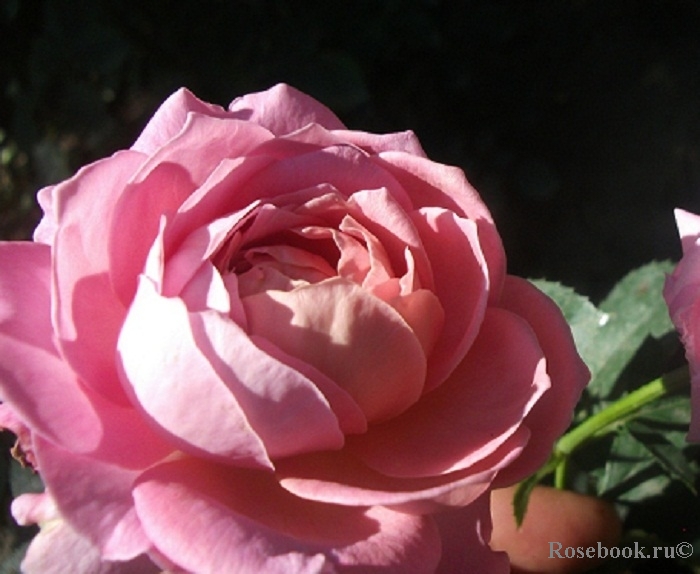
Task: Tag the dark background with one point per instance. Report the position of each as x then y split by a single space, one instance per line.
578 121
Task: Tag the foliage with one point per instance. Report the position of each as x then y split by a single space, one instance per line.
639 459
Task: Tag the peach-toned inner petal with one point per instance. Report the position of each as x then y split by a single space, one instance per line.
354 338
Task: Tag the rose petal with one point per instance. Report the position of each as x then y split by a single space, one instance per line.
41 388
46 230
552 414
266 529
360 342
340 478
87 315
377 143
169 119
469 416
283 109
681 295
136 222
465 535
34 380
351 419
284 408
393 226
95 498
254 405
346 168
430 184
213 199
461 284
164 183
169 378
58 549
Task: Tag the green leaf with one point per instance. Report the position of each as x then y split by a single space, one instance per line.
521 498
627 459
672 412
636 310
608 337
667 454
581 315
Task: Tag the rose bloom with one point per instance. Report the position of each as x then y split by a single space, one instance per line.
682 294
260 342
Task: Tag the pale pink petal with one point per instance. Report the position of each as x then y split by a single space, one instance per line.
255 406
206 290
245 522
380 269
360 342
137 215
425 315
212 242
272 263
59 549
86 313
283 109
430 184
465 535
404 545
41 388
340 478
351 419
95 498
214 200
174 382
377 143
461 284
346 168
203 143
46 230
34 508
552 413
170 118
469 416
284 408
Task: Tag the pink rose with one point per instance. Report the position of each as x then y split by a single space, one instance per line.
260 342
682 294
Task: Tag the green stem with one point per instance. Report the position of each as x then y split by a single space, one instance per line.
611 416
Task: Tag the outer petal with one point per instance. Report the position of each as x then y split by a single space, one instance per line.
59 549
87 315
431 184
461 284
169 119
46 230
136 222
470 415
283 109
40 386
682 295
465 535
552 414
345 167
244 522
95 498
339 478
376 143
